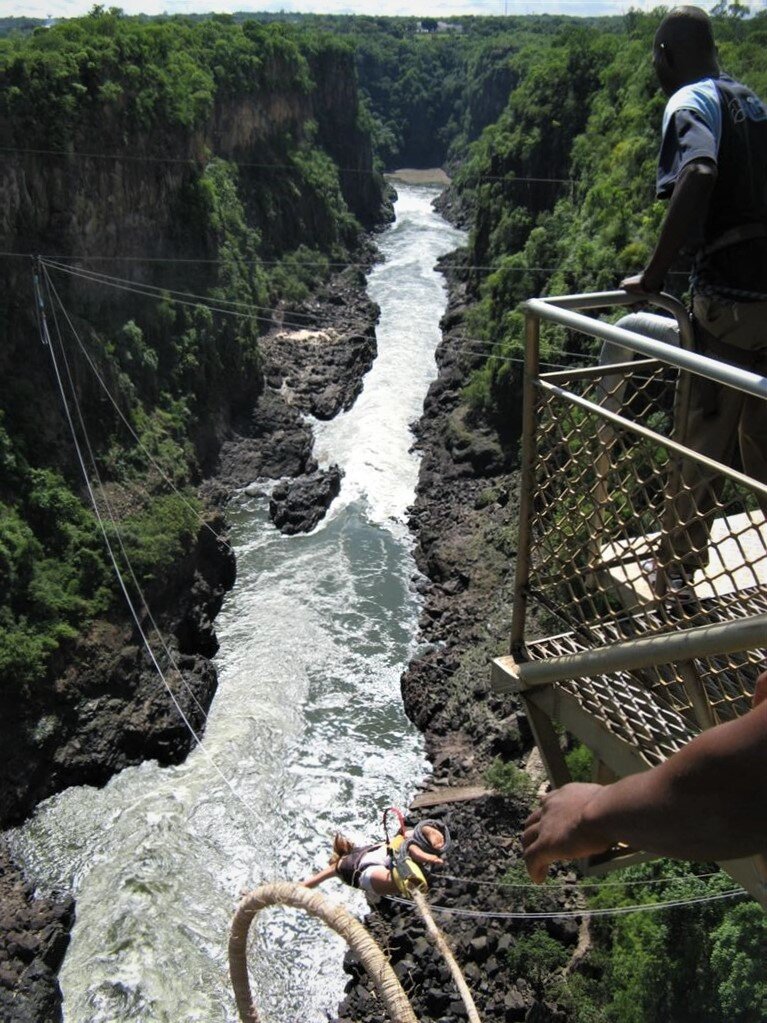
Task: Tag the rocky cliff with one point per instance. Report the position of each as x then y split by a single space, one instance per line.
206 203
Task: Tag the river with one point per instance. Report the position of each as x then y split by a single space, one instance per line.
306 734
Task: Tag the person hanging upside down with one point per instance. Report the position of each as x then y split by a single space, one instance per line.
387 868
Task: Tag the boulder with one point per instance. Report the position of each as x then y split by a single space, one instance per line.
296 506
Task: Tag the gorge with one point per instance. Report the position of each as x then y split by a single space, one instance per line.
229 169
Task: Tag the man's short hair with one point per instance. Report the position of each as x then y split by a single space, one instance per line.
688 28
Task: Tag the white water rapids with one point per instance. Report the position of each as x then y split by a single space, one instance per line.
306 734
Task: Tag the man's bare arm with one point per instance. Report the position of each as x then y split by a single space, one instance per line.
707 802
686 208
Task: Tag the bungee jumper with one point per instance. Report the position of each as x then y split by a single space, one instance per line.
396 866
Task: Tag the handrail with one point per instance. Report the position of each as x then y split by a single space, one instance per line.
632 654
643 431
608 507
713 369
606 299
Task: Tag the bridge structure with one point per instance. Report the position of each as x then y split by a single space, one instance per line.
605 643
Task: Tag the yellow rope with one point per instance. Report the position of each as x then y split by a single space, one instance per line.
439 940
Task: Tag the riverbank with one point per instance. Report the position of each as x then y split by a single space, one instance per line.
464 520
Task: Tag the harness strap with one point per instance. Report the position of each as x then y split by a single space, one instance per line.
348 867
744 357
405 873
733 236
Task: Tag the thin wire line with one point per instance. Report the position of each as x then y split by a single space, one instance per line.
319 263
203 521
47 341
551 887
575 913
161 294
94 275
156 293
175 160
255 165
104 497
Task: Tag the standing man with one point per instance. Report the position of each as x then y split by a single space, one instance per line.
713 170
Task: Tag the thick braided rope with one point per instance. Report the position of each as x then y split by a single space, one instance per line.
285 893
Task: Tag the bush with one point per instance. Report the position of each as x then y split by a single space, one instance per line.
508 779
580 762
535 957
159 535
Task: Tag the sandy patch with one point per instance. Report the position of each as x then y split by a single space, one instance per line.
316 337
420 176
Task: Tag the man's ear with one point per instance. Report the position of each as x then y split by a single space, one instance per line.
666 57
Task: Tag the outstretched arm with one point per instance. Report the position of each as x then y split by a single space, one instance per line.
706 803
686 209
323 875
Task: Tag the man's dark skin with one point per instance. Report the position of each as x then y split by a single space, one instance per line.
706 802
679 60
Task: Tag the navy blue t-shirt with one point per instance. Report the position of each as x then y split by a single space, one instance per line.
722 121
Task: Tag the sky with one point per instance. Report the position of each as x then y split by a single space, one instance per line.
422 8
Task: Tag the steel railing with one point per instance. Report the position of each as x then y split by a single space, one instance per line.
615 503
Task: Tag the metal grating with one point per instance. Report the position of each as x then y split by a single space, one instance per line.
622 703
607 532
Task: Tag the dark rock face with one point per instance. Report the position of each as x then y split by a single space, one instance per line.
34 934
314 363
298 505
278 443
104 706
321 349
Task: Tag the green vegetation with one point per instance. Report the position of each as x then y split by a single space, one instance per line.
580 762
536 956
52 572
561 185
508 779
691 964
256 227
551 127
165 73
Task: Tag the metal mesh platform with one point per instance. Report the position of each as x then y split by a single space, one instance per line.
643 559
